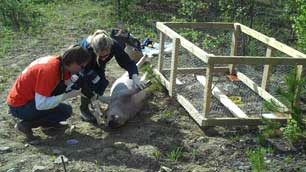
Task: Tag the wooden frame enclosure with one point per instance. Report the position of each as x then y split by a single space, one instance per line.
241 118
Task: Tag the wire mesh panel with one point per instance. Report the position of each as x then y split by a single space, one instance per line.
277 79
188 86
185 58
245 98
249 46
216 42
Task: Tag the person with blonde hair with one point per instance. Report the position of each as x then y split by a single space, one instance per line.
102 48
36 96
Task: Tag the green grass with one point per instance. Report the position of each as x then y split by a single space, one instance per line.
289 159
62 24
156 84
168 114
256 157
175 154
235 138
157 154
6 75
194 154
7 37
292 131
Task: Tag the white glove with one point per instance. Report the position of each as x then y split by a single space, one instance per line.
70 83
137 83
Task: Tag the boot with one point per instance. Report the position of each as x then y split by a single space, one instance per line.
53 128
85 113
25 128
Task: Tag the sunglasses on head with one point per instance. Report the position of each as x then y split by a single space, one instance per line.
104 56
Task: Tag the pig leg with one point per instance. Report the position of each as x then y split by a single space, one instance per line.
139 97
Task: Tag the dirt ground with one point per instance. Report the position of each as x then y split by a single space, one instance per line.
162 137
145 143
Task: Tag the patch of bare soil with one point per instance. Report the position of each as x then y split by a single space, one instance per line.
162 137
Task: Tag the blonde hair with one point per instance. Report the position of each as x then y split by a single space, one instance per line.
100 41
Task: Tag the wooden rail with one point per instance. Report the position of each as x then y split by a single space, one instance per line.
272 42
255 60
174 60
161 52
234 46
201 25
198 70
267 70
183 41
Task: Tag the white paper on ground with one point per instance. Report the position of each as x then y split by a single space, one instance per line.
178 82
154 50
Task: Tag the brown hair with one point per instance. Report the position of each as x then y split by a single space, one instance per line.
75 54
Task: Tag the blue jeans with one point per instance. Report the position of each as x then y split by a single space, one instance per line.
28 112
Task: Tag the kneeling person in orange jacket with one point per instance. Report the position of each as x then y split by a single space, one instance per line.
37 93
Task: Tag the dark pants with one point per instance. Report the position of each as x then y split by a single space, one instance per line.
84 103
28 112
100 88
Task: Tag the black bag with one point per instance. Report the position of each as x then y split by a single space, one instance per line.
123 37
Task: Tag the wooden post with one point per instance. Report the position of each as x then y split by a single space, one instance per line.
234 47
267 70
174 60
161 51
299 74
207 89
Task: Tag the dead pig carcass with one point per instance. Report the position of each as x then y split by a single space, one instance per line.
124 101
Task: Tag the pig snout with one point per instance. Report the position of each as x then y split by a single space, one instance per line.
114 118
114 122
